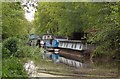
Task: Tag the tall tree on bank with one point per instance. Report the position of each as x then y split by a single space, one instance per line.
13 21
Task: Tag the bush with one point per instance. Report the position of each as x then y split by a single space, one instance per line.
13 47
36 53
12 67
28 51
9 46
6 52
23 51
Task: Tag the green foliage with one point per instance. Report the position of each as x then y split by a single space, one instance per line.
37 55
106 34
12 67
0 59
23 51
14 28
11 57
10 46
99 20
101 52
33 53
27 51
6 52
15 47
13 21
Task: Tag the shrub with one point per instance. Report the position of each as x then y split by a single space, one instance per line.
36 54
6 52
10 46
12 67
23 51
13 47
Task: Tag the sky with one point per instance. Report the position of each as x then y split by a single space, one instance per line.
29 9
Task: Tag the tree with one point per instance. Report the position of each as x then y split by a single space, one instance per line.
99 20
13 21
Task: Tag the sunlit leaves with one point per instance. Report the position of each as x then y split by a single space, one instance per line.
99 20
13 22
